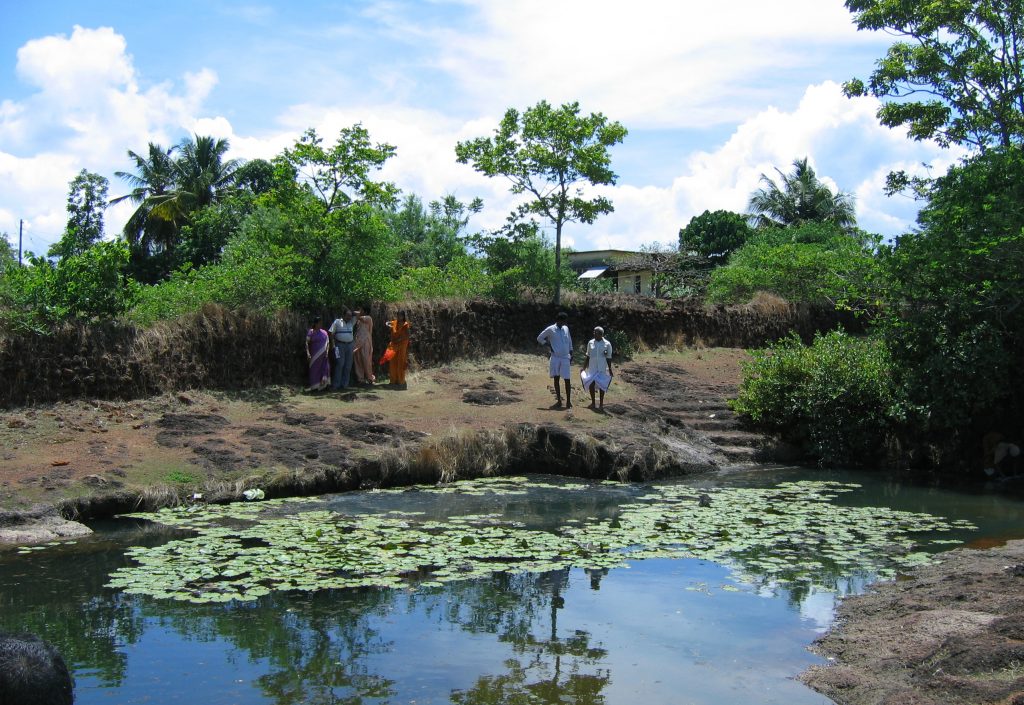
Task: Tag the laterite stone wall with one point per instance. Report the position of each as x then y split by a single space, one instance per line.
219 349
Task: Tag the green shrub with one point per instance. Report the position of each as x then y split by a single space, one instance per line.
834 398
463 277
264 281
180 477
82 287
623 347
811 263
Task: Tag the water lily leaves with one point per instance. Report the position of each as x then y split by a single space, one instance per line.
793 532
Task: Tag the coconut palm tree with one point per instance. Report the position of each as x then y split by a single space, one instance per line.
800 198
168 188
151 187
202 175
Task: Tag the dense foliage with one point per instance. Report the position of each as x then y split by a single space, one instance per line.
80 287
956 319
835 398
814 262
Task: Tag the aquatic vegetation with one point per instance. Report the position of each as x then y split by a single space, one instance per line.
793 532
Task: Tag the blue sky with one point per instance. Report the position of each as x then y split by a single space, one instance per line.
713 95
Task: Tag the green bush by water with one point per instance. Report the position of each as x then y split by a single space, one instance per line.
834 398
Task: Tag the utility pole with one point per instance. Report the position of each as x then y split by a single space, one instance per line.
21 227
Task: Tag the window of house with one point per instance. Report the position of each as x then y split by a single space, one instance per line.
637 287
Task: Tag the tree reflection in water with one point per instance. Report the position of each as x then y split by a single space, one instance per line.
318 648
546 668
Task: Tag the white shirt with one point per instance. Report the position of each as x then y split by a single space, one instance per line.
599 352
342 331
558 338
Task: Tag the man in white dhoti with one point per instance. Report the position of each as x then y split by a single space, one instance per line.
597 366
557 338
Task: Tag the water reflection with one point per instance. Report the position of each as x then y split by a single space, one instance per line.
662 631
525 637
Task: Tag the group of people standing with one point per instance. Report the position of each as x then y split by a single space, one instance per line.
596 372
343 353
345 350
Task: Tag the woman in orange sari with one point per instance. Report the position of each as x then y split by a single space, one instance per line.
400 344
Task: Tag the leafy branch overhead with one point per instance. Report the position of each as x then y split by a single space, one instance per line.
955 75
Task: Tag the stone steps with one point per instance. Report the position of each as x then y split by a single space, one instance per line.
736 438
712 424
710 406
739 454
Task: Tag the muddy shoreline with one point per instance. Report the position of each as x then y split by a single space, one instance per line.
950 634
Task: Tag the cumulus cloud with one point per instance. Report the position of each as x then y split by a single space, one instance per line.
841 137
88 107
658 64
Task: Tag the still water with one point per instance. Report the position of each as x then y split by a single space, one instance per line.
660 631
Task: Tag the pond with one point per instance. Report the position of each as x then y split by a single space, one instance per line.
707 590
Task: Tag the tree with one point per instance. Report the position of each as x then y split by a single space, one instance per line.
714 235
148 228
202 176
168 191
87 199
256 176
8 257
800 199
956 75
449 218
956 322
340 175
522 262
203 239
434 237
550 154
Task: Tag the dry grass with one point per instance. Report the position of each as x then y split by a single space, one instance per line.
768 304
460 455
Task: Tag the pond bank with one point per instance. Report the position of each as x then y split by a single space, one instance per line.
950 634
665 415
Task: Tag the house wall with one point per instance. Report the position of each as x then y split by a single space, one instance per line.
626 283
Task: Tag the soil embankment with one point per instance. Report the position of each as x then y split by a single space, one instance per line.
216 349
665 415
951 634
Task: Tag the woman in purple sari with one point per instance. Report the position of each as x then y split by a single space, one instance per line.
317 344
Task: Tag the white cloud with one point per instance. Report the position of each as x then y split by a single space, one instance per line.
660 64
87 110
841 137
74 68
